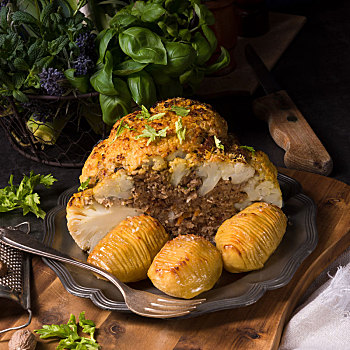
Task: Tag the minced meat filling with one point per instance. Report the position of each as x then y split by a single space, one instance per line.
180 209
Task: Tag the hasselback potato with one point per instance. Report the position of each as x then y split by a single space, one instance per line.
128 249
186 266
249 238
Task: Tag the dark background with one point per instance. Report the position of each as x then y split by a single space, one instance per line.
315 70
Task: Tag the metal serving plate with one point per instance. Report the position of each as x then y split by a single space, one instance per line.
231 291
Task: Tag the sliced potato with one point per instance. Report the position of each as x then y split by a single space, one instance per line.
186 266
128 250
249 238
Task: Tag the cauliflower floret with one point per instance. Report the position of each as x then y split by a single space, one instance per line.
88 221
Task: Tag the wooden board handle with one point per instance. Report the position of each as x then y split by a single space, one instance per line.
290 130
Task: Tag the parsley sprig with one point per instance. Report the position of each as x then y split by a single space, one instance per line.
68 333
248 148
121 127
84 185
180 130
151 133
181 111
218 143
22 196
145 114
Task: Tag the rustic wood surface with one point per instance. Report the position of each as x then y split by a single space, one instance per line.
270 47
258 326
290 130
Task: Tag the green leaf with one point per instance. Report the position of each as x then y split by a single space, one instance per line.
3 18
183 112
81 83
46 11
223 61
155 117
218 143
24 17
180 130
248 148
204 14
142 88
56 46
84 185
123 21
102 80
152 12
143 46
151 133
210 36
18 79
104 40
20 64
128 67
202 47
19 96
180 56
113 108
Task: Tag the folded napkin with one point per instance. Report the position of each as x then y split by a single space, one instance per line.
323 321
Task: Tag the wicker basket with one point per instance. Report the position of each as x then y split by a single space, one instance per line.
73 144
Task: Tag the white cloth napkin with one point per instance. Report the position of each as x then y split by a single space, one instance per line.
323 321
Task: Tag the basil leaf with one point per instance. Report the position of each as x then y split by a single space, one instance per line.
143 46
113 108
223 61
104 40
210 36
152 12
205 16
180 57
123 20
129 67
202 47
19 96
102 80
81 82
142 88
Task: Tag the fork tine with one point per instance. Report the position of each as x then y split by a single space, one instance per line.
173 307
181 302
164 314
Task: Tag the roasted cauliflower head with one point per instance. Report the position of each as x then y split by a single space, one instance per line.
176 163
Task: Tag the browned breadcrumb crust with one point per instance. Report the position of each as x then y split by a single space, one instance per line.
124 151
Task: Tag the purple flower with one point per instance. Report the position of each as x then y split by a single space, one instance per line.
83 65
50 81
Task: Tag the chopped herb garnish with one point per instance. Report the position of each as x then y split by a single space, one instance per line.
144 114
218 143
180 130
121 127
251 149
181 111
84 185
151 133
156 116
70 339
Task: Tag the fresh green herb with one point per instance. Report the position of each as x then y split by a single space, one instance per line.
68 333
218 143
144 114
180 110
151 133
156 116
22 196
121 127
251 149
180 130
84 185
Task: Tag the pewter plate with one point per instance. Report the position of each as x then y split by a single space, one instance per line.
231 291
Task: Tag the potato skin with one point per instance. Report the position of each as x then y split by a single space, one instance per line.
249 238
186 266
128 250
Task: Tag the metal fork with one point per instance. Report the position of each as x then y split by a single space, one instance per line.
140 302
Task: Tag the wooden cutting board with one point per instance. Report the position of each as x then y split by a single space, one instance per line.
258 326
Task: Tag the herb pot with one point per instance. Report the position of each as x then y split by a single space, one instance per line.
225 29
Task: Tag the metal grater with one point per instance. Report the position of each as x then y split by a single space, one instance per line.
15 285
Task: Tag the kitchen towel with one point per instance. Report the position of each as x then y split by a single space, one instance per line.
322 322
